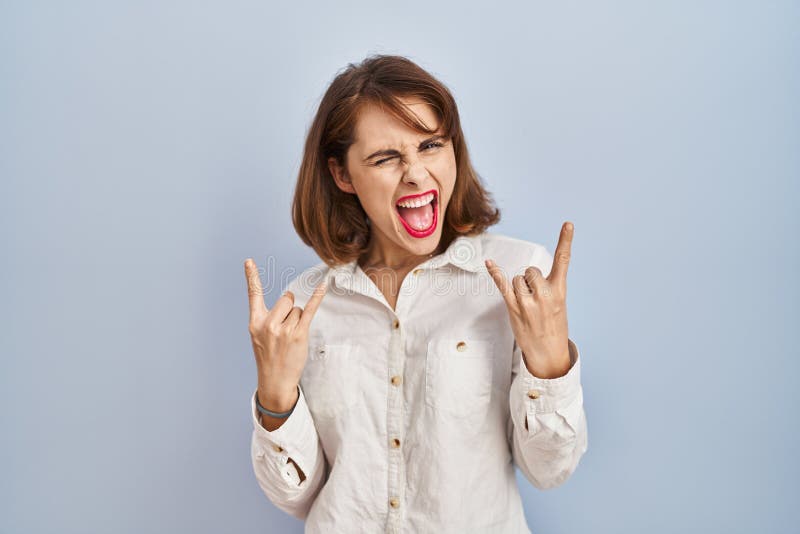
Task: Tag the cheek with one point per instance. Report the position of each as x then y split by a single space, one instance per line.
446 164
445 172
375 192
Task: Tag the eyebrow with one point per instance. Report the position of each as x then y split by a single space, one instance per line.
393 152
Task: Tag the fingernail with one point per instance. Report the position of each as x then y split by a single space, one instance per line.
489 263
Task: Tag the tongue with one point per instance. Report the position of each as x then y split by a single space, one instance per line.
417 218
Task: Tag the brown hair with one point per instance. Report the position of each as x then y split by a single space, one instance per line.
332 221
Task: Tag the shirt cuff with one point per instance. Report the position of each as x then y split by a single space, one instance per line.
544 395
288 439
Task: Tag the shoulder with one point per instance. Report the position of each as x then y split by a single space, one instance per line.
302 285
514 254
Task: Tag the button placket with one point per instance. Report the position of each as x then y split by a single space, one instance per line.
395 415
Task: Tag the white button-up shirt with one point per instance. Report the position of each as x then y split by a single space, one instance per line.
411 420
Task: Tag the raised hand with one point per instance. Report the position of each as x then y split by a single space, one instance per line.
280 341
537 307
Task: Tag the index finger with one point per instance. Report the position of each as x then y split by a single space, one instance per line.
254 290
312 304
558 273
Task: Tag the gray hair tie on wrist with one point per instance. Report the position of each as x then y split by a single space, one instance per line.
283 415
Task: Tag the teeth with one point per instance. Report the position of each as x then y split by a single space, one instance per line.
416 202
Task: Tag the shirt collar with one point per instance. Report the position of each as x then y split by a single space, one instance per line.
464 252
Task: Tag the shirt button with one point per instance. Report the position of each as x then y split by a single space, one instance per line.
394 503
395 443
396 324
461 346
417 271
534 394
277 448
396 380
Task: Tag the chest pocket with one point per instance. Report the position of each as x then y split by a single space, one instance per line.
329 380
458 377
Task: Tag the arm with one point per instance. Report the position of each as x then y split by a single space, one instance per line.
547 428
288 462
287 456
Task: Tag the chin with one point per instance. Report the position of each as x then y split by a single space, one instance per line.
423 249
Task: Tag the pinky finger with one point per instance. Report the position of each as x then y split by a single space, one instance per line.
502 283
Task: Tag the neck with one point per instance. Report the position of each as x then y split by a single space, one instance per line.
383 254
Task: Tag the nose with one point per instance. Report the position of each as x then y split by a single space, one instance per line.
415 173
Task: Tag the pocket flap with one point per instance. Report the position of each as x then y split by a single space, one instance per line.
461 347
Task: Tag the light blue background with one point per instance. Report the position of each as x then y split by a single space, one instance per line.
147 149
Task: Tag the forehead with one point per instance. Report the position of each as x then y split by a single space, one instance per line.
376 128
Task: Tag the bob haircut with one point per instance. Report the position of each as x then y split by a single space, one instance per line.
332 221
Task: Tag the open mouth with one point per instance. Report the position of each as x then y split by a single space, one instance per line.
419 213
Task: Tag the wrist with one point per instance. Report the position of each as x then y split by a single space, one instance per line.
549 369
278 400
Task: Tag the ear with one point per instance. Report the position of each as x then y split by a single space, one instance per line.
340 176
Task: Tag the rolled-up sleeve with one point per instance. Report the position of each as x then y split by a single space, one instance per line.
548 429
296 438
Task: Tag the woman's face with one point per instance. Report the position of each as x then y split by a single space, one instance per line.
390 161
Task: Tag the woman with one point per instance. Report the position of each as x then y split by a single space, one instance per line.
402 378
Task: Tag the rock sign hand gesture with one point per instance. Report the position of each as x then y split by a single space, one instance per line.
537 307
280 341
